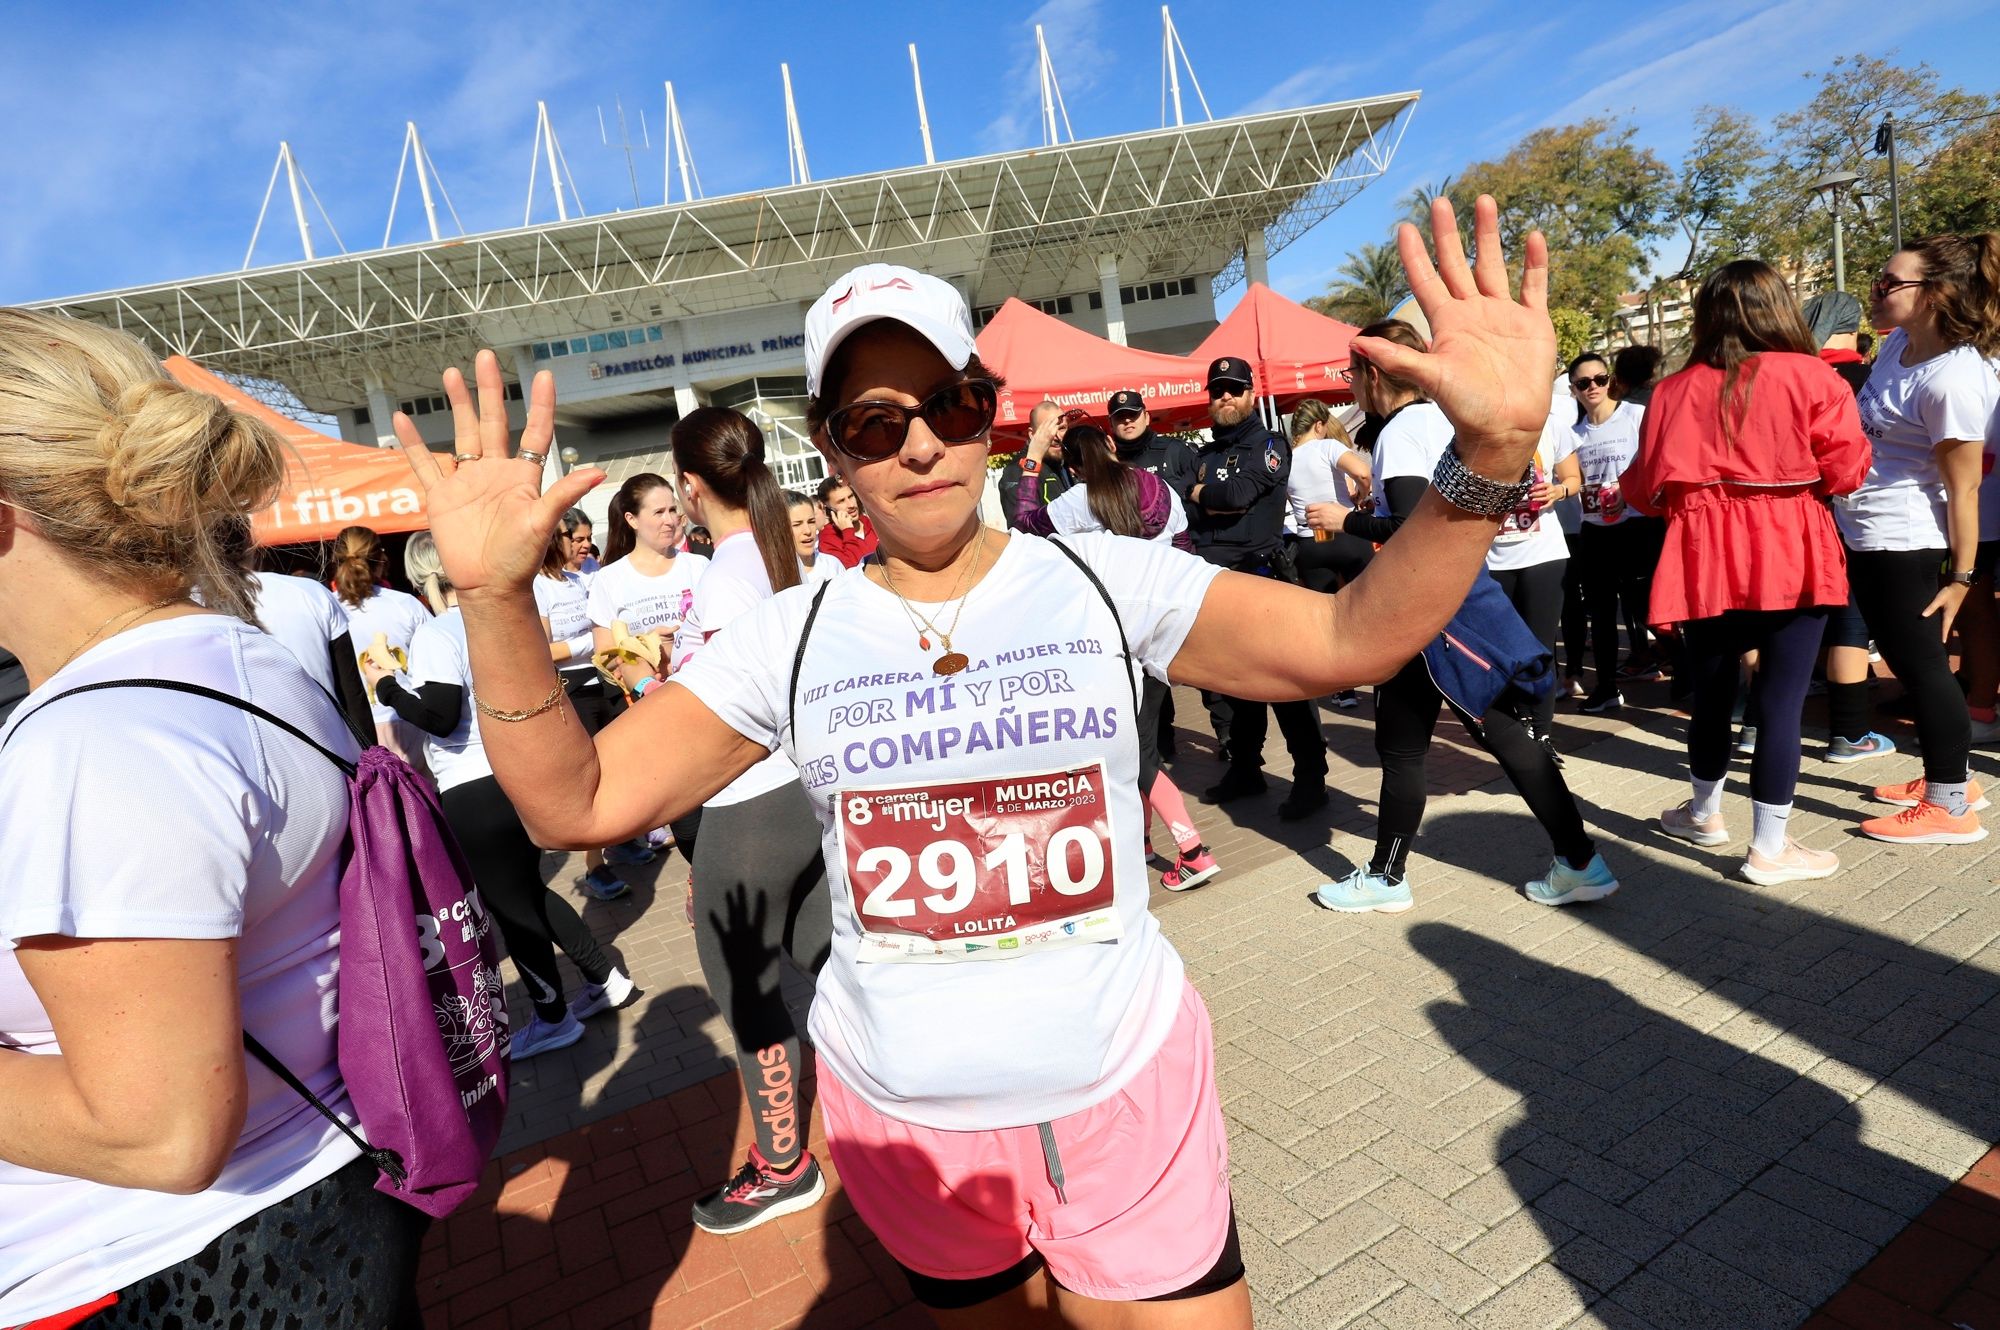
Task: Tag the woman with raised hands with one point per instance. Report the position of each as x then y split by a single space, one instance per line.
1025 1116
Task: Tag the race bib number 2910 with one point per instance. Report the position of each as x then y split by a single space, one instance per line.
979 869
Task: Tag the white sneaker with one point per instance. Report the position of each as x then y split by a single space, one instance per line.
1797 863
616 991
540 1036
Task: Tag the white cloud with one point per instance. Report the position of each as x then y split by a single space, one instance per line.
1073 31
1328 81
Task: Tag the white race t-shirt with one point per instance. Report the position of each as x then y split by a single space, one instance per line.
824 568
1315 478
948 792
439 655
305 617
397 615
1533 536
735 584
564 600
242 828
1906 411
645 604
1604 451
1409 445
1069 513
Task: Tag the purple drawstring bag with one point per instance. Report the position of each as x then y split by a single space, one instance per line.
422 1038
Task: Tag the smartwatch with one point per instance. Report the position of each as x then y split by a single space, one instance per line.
1031 466
1962 579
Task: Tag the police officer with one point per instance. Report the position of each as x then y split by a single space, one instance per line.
1236 513
1172 460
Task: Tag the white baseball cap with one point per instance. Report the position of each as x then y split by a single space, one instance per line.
930 305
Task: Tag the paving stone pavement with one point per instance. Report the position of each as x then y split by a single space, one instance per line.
1698 1103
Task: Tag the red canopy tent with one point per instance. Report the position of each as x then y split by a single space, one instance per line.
328 484
1045 359
1296 352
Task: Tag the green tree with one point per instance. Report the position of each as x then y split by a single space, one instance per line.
1366 288
1596 195
1959 191
1710 201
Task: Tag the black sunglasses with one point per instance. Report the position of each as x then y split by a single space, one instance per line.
1885 284
1591 381
957 413
1227 388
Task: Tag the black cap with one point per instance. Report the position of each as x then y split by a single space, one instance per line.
1124 400
1230 369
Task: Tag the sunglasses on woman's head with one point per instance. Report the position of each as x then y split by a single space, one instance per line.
1591 381
869 431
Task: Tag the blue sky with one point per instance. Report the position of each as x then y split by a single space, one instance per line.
140 137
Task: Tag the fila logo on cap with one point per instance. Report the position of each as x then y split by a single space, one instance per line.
929 306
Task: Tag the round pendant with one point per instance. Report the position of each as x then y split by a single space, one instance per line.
951 662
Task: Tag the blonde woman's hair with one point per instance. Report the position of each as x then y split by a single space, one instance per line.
136 476
1308 414
426 569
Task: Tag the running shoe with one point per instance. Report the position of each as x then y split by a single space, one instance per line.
1573 688
1682 824
1572 886
1235 784
539 1036
1796 863
631 854
660 839
1640 669
1602 701
1746 740
1347 699
1868 745
600 883
1362 891
1926 824
1191 870
759 1193
616 991
1985 731
1302 802
1911 793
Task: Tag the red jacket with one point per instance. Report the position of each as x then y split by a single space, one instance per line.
850 547
1748 527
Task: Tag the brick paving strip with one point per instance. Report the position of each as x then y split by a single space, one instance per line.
1698 1104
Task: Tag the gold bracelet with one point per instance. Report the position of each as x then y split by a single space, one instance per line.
554 699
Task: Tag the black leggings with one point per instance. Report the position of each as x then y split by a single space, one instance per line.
1618 562
337 1256
1152 696
1786 643
507 868
1575 610
1892 587
760 893
1406 713
1537 595
1325 565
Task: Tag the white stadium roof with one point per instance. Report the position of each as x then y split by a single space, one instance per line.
1032 223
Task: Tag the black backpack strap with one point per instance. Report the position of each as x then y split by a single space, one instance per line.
387 1161
1124 647
213 695
798 663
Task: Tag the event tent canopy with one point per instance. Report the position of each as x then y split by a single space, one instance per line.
1043 358
329 485
1295 351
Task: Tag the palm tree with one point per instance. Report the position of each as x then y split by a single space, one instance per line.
1417 203
1368 286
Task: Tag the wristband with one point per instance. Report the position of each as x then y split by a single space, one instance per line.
1471 492
639 689
1962 579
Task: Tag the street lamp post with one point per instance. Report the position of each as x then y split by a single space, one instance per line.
1830 187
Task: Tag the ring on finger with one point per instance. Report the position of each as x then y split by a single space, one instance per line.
465 457
528 455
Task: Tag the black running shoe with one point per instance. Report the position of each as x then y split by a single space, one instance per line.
759 1193
1304 800
1235 784
1601 701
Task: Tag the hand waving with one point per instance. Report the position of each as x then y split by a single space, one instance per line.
1491 356
488 513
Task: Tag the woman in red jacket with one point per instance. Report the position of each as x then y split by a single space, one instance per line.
1740 451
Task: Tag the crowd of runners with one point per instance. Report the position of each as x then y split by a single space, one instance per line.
911 733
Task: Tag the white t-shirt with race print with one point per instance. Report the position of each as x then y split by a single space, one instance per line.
439 655
1603 452
1530 537
646 604
735 584
242 828
824 568
1409 445
396 615
995 811
564 600
1906 411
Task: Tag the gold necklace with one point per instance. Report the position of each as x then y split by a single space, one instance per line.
951 662
133 615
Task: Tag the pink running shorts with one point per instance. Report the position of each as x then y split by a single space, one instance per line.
1144 1209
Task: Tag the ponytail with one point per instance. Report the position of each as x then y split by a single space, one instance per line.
726 450
357 553
1962 280
425 566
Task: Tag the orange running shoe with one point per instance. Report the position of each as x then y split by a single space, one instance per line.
1926 824
1911 793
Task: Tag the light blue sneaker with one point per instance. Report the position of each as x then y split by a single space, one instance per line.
1570 886
1868 745
1362 891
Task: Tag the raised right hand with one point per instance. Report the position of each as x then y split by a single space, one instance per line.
488 514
